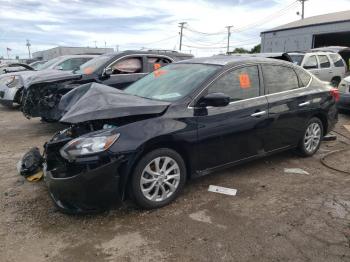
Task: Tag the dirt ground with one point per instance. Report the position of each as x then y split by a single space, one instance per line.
274 217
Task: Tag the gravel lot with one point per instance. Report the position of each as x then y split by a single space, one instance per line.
274 217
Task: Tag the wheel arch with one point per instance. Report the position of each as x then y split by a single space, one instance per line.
324 122
163 142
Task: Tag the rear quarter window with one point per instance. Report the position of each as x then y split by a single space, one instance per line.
304 77
337 60
279 78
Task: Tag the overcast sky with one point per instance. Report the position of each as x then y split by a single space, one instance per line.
133 24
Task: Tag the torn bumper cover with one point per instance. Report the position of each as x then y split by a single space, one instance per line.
87 184
92 189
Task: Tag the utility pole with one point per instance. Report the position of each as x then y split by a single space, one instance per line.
302 8
95 43
228 38
28 45
182 24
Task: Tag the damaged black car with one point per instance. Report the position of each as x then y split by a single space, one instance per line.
119 70
182 121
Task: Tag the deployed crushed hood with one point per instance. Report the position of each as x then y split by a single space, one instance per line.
96 102
33 77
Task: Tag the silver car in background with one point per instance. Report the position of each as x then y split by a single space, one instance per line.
327 66
11 84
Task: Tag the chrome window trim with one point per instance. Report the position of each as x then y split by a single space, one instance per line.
265 95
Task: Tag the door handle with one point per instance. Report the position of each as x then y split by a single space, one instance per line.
258 114
304 104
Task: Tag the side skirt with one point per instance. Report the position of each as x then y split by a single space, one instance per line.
205 172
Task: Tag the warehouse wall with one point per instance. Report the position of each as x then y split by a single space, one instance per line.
59 51
299 39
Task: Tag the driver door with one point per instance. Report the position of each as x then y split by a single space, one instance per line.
126 71
234 132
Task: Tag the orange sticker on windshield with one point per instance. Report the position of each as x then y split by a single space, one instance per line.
88 71
244 80
159 73
156 66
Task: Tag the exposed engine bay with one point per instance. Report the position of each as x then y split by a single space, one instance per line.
42 99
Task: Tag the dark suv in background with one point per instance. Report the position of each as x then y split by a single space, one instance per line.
119 70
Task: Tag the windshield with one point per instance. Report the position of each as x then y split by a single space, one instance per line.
297 59
50 63
172 82
37 65
92 65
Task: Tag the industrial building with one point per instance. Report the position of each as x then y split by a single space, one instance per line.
65 50
318 31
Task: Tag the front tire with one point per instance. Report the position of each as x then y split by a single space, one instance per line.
312 137
158 178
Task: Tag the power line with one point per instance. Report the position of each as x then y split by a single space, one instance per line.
203 33
268 18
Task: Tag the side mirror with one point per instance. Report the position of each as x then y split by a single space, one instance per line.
215 100
59 67
108 71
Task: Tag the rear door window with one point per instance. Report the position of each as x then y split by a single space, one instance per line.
297 59
279 78
304 77
311 62
337 60
130 65
155 63
239 84
324 61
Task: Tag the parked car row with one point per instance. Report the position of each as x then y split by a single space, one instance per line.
13 84
139 124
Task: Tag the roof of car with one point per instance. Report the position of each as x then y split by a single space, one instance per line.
231 59
74 56
169 53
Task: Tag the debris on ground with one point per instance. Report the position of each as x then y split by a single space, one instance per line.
347 127
30 166
222 190
329 137
298 171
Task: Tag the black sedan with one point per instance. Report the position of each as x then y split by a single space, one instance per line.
182 121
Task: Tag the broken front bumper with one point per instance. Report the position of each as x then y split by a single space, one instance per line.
91 190
7 96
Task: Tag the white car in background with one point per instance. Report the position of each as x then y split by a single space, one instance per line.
344 95
11 84
327 66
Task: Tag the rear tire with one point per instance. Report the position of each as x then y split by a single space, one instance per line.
311 140
158 178
335 82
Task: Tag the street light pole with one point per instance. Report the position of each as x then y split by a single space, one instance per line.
228 38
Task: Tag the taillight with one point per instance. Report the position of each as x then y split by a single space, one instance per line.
335 93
